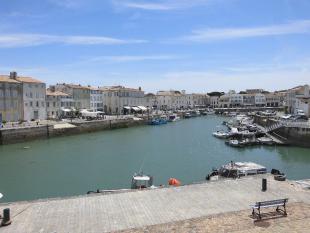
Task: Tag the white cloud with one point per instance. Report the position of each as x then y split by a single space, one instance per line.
24 40
162 5
215 34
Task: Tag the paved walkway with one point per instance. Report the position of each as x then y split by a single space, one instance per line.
297 220
104 213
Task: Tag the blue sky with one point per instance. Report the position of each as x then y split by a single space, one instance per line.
196 45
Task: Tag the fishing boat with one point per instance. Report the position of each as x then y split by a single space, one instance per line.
158 121
141 181
236 170
221 134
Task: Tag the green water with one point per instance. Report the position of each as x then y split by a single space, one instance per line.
186 150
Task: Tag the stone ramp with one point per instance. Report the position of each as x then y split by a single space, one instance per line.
105 213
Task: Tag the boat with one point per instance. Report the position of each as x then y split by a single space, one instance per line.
234 143
221 134
173 118
237 170
265 141
141 181
138 181
187 115
158 121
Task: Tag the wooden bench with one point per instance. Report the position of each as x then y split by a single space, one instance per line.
267 204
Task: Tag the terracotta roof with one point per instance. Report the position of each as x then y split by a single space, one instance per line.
55 93
7 79
118 88
28 80
76 86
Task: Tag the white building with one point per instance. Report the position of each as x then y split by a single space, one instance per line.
11 99
260 100
295 94
172 100
122 100
34 97
96 99
80 94
58 104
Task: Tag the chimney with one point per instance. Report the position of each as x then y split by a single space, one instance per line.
13 75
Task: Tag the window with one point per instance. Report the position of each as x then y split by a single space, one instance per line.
37 103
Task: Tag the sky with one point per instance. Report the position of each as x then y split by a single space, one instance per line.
193 45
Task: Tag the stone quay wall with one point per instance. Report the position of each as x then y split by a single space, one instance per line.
295 134
17 135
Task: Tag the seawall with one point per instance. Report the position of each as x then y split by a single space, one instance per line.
22 134
294 134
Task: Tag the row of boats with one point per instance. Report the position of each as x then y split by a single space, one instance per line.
164 119
141 181
243 132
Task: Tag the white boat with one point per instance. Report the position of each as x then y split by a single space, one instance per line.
221 134
237 170
234 143
140 181
265 141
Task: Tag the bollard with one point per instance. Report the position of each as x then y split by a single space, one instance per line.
6 217
264 184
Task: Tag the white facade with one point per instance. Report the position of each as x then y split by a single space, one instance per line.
116 99
56 103
304 105
96 99
292 96
172 100
34 97
214 101
236 100
260 100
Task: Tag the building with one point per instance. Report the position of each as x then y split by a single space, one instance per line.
224 101
297 94
254 91
122 100
236 100
214 98
248 100
303 104
80 94
58 104
173 100
150 101
199 100
273 100
11 99
96 99
34 97
260 100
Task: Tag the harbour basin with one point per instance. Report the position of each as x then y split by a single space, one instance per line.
186 150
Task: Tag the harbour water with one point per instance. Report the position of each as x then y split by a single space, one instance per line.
185 150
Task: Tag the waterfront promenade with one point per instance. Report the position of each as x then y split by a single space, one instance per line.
141 209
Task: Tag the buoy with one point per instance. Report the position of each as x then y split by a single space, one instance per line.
174 182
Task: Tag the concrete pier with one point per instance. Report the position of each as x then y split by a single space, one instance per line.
115 212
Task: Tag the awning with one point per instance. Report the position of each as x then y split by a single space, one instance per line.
127 107
66 110
136 109
142 108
